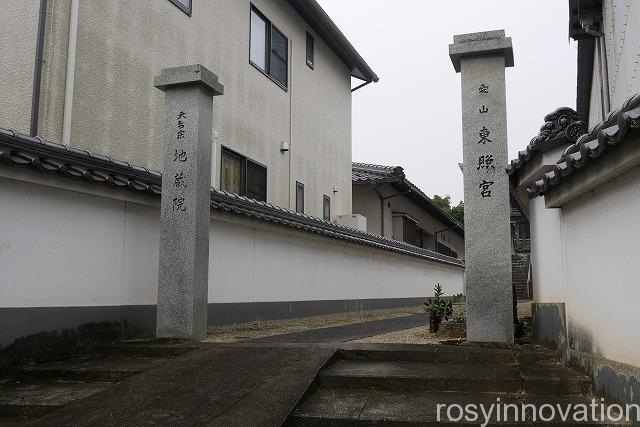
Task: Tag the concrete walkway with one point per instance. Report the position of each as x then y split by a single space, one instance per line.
338 334
222 386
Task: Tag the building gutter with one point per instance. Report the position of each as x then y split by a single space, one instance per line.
70 78
37 68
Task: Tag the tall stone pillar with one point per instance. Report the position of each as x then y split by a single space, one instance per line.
185 205
481 59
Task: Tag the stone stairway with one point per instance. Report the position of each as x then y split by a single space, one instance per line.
520 275
29 392
402 385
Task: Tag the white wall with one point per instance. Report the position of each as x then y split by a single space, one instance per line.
601 251
546 253
61 248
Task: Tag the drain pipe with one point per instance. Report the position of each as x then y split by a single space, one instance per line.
602 67
37 68
435 235
382 200
70 78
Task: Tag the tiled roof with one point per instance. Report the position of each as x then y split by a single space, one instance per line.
18 150
365 173
592 145
561 127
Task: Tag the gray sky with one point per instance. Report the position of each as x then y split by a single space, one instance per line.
412 117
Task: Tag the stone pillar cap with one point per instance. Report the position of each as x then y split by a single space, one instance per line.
188 75
486 43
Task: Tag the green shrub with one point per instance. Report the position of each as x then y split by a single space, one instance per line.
440 307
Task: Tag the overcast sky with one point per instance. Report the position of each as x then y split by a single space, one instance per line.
412 117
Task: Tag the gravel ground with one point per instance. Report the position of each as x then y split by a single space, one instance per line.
258 329
419 335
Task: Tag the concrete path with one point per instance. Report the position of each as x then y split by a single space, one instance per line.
338 334
222 386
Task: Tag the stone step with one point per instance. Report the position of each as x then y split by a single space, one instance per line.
148 348
427 353
365 407
87 368
548 379
35 400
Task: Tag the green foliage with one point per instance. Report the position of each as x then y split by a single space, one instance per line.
443 202
441 307
456 212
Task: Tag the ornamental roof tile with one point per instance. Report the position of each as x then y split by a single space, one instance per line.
608 133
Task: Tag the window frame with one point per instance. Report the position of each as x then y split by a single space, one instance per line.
300 186
326 215
313 51
244 160
186 9
270 25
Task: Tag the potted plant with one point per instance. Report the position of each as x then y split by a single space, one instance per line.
439 308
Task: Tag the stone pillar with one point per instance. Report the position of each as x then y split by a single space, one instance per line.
481 59
185 205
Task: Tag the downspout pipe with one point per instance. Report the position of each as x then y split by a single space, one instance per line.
70 77
435 235
602 67
384 199
37 69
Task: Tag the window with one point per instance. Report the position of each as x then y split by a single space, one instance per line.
185 5
310 50
326 208
269 49
243 176
299 197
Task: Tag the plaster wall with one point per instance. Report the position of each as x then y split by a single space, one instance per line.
18 34
122 45
546 253
63 248
601 270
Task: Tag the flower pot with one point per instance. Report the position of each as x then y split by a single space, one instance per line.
434 323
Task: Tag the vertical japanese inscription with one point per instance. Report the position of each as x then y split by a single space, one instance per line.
180 157
485 161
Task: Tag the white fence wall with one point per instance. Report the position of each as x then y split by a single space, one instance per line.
601 252
65 248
